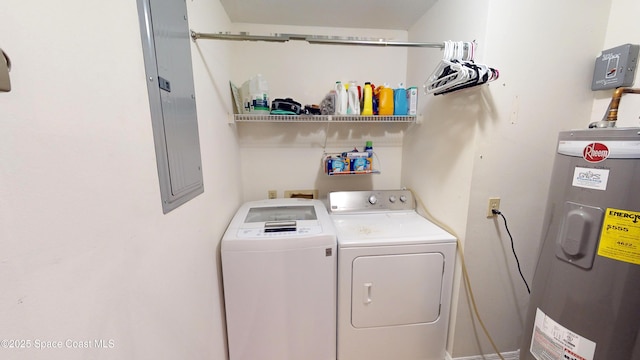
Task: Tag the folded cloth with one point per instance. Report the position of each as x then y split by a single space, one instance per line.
283 112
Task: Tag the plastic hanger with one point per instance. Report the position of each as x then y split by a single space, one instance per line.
449 72
457 70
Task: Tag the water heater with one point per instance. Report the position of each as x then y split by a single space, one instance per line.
585 299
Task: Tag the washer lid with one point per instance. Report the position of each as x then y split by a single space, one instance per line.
281 213
279 224
389 228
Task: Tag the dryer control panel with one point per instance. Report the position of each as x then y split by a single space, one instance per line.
367 201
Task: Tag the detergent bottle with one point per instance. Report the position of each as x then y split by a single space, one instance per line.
367 108
353 99
385 100
400 106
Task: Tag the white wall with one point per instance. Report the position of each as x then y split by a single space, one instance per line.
85 251
438 157
623 28
499 140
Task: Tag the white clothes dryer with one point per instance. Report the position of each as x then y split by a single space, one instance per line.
395 275
279 276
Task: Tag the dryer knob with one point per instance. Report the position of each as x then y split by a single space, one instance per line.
403 198
392 198
373 200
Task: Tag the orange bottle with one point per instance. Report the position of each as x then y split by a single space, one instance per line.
385 100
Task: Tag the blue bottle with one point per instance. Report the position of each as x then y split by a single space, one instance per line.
400 106
368 147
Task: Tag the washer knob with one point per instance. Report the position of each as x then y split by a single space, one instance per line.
392 198
373 200
403 198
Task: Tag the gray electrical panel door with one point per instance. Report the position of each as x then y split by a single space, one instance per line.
167 57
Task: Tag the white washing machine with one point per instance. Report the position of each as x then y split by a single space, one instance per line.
395 274
279 273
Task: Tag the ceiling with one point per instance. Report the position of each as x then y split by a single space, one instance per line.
368 14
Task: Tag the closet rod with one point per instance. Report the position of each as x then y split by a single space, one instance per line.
314 39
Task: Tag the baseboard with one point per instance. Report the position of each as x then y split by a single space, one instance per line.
511 355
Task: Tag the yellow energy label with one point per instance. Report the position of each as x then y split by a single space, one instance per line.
620 236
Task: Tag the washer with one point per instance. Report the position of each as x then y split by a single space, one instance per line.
279 271
395 275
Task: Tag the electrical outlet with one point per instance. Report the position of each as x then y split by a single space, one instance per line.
272 194
494 204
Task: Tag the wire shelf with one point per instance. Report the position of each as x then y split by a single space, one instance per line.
325 118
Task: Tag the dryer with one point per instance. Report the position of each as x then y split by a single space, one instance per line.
395 276
279 276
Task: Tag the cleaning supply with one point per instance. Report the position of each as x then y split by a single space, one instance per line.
385 100
367 108
368 148
336 164
353 101
259 95
328 104
412 100
359 164
341 99
358 161
400 100
374 101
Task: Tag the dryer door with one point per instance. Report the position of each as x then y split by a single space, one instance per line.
399 289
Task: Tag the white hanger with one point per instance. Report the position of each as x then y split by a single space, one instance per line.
457 70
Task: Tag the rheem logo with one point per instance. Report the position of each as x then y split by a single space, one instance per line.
595 152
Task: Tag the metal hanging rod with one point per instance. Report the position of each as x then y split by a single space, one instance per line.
313 39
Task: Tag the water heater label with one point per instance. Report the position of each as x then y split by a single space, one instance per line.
552 341
595 152
590 178
620 236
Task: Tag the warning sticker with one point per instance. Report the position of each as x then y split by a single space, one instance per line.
620 236
552 341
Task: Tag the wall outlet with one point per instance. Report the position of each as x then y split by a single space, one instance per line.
494 204
272 194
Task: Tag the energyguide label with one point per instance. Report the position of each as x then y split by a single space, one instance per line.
620 236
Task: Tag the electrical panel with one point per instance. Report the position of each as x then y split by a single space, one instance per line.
616 67
166 45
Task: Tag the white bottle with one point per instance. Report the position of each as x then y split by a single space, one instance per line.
353 100
412 100
259 90
341 99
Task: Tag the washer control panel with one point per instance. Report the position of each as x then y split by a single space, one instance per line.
375 200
